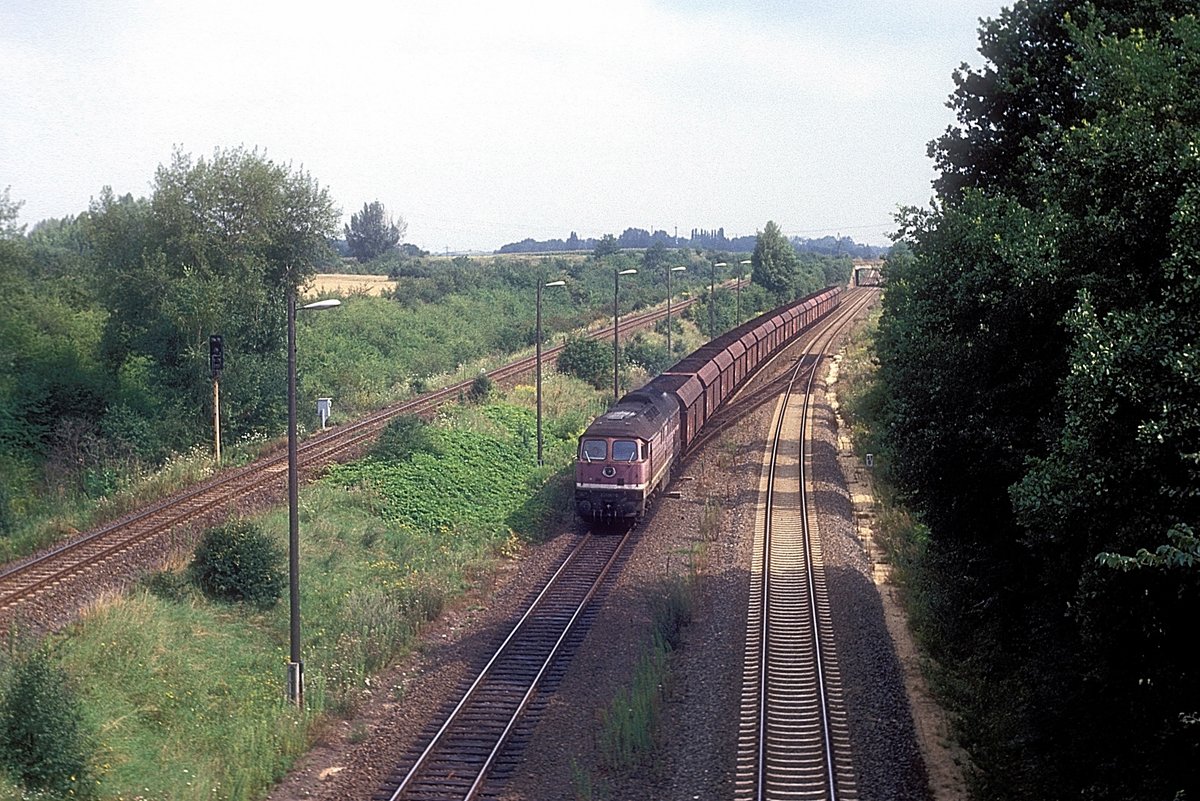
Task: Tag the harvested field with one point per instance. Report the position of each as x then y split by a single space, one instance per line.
348 284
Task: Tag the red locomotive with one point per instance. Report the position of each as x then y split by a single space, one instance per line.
627 454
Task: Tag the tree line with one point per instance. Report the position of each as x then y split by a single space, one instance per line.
702 239
1041 400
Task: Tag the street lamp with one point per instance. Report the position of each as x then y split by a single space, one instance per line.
712 298
539 364
741 264
617 327
669 271
295 682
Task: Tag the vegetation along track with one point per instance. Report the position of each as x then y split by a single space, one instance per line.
92 554
793 737
458 757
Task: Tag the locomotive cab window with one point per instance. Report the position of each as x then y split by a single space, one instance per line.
593 450
625 450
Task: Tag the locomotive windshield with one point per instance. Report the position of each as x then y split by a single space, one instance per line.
593 450
625 450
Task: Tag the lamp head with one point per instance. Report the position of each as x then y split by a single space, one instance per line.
323 304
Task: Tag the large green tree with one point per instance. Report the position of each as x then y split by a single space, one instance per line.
215 249
774 263
1039 346
372 232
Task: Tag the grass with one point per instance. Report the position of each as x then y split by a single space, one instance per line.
186 697
628 725
62 517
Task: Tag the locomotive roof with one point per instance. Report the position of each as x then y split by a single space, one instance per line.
639 414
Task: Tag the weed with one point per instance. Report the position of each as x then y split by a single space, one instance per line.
627 725
710 520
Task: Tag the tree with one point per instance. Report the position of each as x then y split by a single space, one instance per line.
216 249
373 233
774 263
9 212
588 360
1027 86
1038 348
606 246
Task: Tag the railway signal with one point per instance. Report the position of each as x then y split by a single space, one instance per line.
216 363
216 354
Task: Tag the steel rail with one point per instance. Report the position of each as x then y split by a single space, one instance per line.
778 643
504 705
27 577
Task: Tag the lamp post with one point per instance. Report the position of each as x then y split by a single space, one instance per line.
741 264
539 364
617 327
712 298
295 682
669 271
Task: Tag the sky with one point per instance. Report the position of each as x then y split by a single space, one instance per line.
483 123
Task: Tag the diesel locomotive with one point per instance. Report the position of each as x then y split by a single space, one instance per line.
626 455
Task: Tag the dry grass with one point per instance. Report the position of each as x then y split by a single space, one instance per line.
346 284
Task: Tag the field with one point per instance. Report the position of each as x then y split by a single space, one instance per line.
346 284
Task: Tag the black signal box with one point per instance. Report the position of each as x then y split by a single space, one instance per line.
216 353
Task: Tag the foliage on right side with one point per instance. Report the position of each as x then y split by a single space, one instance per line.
1038 348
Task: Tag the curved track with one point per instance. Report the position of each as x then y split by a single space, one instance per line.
793 738
101 550
455 763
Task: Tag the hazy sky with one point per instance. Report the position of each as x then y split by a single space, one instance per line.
484 123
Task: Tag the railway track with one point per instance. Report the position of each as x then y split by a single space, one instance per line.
455 762
97 554
793 737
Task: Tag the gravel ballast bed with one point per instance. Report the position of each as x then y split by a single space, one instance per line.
696 749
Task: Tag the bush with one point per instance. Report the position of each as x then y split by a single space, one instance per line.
42 738
481 388
640 351
237 561
588 360
403 437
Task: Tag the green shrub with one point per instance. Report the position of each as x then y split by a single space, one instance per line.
43 743
403 437
481 388
237 561
588 360
644 353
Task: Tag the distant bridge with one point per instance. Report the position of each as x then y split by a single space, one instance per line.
868 273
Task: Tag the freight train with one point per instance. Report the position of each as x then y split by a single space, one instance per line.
627 454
